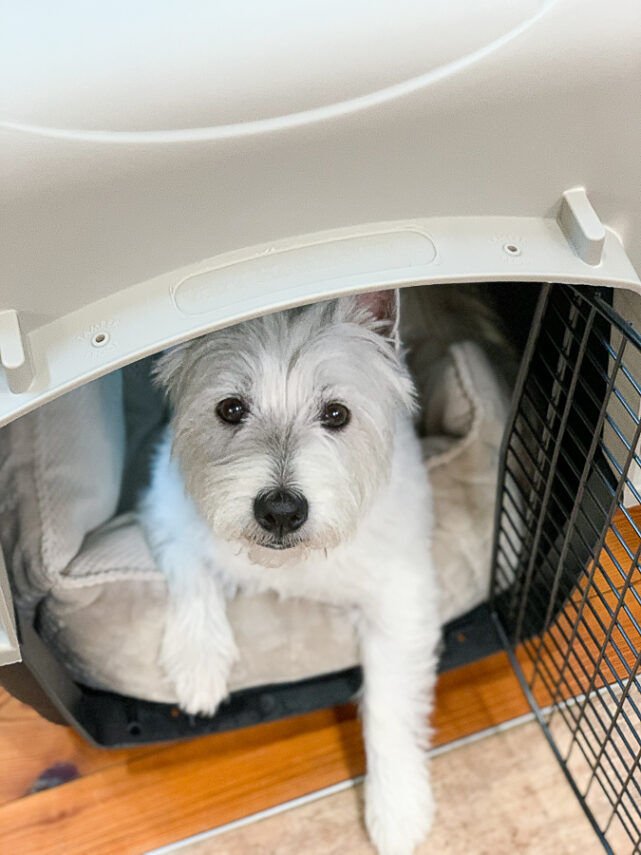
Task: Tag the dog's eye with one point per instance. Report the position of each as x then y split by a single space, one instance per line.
231 410
334 416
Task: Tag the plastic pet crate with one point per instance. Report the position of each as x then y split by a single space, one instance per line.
166 174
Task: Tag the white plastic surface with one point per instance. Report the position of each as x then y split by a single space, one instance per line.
282 152
150 66
9 647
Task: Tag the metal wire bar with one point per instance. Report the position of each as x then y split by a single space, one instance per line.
613 527
586 673
577 681
597 618
578 498
614 506
567 550
542 722
614 624
597 592
624 695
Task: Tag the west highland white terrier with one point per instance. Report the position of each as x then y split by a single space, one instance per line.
291 464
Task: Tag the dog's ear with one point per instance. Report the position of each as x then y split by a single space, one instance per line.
385 307
168 366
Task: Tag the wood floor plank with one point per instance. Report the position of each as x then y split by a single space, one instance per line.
476 697
179 791
29 745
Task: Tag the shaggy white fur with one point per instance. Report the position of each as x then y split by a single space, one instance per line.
365 544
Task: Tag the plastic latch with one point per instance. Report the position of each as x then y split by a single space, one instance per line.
582 226
14 354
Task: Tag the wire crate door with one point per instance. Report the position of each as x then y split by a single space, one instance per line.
566 591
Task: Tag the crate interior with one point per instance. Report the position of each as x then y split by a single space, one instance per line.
110 719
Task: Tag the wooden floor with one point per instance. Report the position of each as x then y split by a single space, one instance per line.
128 802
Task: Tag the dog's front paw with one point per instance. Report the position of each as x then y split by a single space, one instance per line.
200 690
198 671
399 811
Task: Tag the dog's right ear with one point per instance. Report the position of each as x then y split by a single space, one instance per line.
168 366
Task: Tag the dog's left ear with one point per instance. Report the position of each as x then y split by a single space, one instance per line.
385 307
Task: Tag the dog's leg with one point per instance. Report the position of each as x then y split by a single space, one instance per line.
398 643
198 648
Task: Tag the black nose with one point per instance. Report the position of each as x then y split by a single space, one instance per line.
280 511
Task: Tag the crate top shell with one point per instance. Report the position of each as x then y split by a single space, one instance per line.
167 169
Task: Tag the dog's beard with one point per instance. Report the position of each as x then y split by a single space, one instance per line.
256 538
292 550
264 556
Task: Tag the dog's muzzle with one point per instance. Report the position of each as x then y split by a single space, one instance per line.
280 512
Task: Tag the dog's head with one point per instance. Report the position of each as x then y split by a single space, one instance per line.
283 425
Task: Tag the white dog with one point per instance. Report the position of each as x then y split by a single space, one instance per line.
291 464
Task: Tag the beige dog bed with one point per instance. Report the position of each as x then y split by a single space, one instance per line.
84 569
